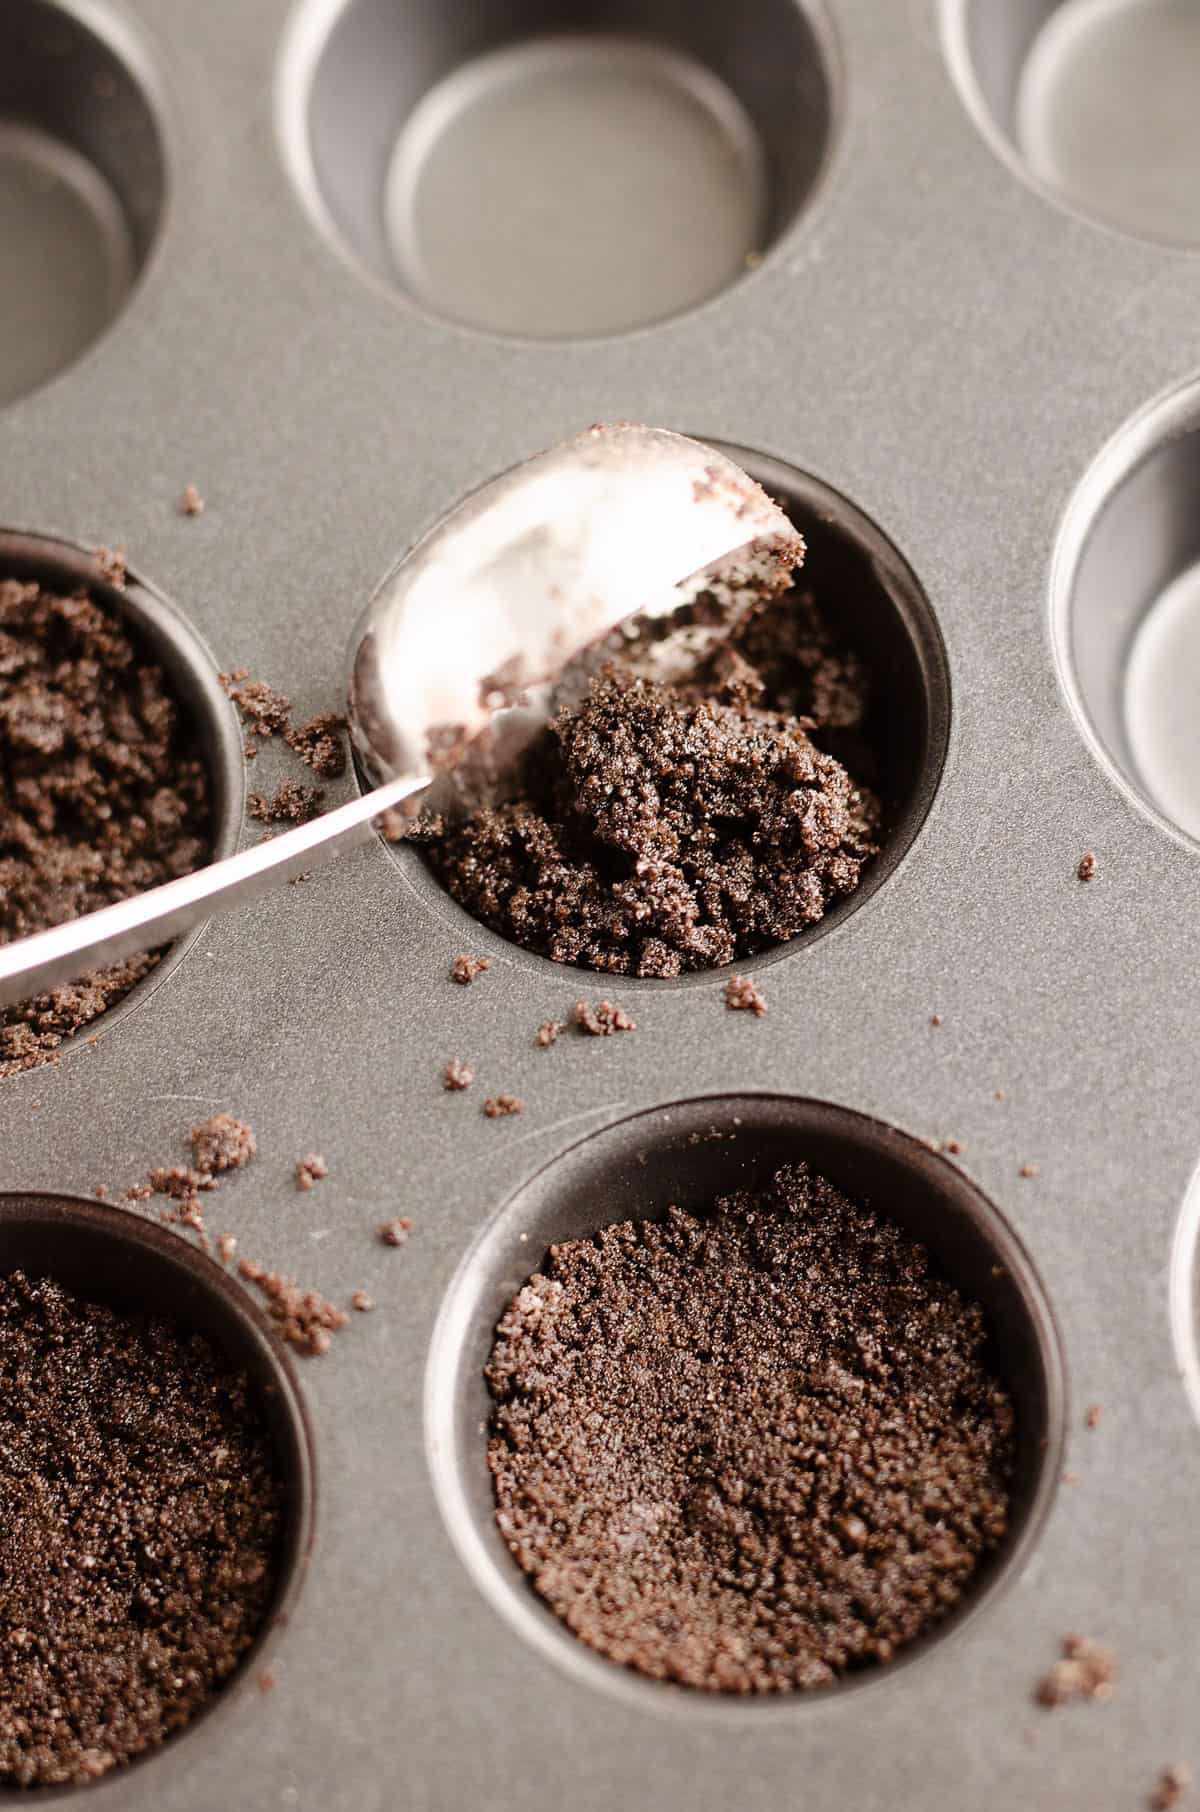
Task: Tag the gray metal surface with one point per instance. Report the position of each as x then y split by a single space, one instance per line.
949 349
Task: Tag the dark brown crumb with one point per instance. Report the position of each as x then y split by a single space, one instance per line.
103 794
100 1191
1087 867
935 1019
954 1147
304 1318
221 1143
111 561
657 827
179 1180
1028 1170
464 969
321 743
1093 1417
741 996
191 503
310 1170
602 1020
1086 1671
1173 1783
291 803
499 1107
688 1437
139 1192
140 1519
362 1302
547 1033
395 1233
266 711
457 1075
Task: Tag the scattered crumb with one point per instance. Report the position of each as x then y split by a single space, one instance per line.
1173 1783
266 1680
191 503
1087 867
499 1107
457 1075
291 803
1000 1095
222 1143
741 996
1029 1170
265 710
954 1147
306 874
547 1033
601 1020
1094 1413
1086 1671
395 1233
362 1302
1070 1478
935 1019
310 1170
320 743
464 969
304 1318
139 1192
250 750
226 1247
179 1180
111 561
100 1191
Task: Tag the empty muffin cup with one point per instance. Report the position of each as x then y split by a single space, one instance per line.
667 1167
156 1471
556 171
82 185
1092 100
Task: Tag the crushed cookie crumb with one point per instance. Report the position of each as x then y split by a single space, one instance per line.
222 1143
464 969
320 743
741 996
457 1075
362 1302
1087 1671
305 1319
111 561
1029 1170
310 1170
1093 1417
547 1033
191 503
291 803
602 1020
226 1247
1173 1783
1087 867
935 1019
395 1233
266 711
499 1107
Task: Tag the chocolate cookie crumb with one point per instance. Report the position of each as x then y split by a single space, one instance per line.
103 794
226 1247
457 1075
602 1020
499 1107
266 1680
1087 867
464 969
266 711
935 1019
660 827
954 1147
304 1318
362 1302
741 996
179 1180
1093 1416
320 742
1086 1671
688 1428
291 803
310 1170
1029 1170
547 1033
111 561
222 1143
141 1514
1173 1783
395 1233
191 503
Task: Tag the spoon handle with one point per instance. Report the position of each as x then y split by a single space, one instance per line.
146 920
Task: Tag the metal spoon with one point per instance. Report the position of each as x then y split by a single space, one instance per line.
509 589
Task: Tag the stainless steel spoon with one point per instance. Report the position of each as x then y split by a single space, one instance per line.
511 587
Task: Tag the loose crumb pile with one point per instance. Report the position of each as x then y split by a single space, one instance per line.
304 1318
752 1448
140 1519
1173 1783
500 1107
464 969
311 1169
395 1233
291 803
547 1033
457 1075
103 794
602 1020
660 827
1087 1671
267 712
741 996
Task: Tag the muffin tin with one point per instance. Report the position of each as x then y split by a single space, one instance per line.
990 398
